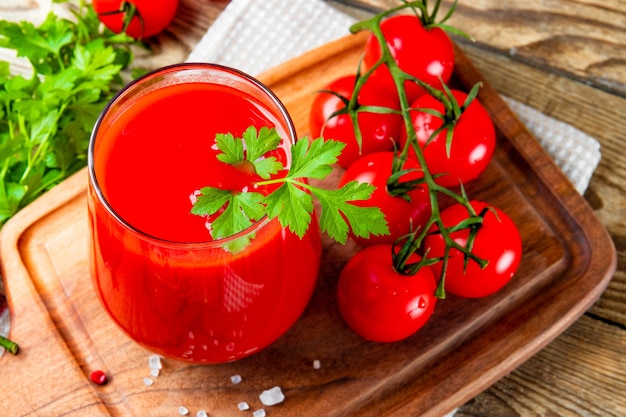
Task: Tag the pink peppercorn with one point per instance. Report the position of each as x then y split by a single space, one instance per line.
99 377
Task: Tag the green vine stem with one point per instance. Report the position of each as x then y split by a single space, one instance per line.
9 345
413 242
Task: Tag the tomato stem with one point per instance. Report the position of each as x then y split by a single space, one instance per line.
9 345
453 110
130 11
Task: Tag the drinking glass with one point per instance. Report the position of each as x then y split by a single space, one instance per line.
190 298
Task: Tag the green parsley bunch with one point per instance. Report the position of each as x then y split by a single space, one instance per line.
46 120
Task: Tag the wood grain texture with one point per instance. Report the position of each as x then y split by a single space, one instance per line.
569 63
591 382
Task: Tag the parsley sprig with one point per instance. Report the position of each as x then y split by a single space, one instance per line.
46 119
292 201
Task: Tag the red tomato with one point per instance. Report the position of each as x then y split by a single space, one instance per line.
149 18
498 242
426 54
473 141
380 304
378 130
400 214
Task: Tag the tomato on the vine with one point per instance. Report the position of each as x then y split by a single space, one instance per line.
380 304
139 19
378 130
473 140
402 216
497 241
425 53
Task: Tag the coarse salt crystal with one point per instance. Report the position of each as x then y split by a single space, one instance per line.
259 413
272 396
148 381
243 406
183 410
202 413
154 362
235 379
316 364
155 372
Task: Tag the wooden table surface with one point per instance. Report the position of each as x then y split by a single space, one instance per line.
566 58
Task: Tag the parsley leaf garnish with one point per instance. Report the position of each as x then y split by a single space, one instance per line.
257 145
292 205
242 209
292 202
364 221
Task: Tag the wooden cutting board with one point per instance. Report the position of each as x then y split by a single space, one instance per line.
468 344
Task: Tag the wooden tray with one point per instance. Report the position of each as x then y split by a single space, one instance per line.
467 346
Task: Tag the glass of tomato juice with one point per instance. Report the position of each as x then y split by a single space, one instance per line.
156 270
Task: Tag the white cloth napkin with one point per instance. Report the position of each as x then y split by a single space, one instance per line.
253 36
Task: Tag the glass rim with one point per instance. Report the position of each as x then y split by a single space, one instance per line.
93 180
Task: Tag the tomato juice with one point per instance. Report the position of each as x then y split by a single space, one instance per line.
156 270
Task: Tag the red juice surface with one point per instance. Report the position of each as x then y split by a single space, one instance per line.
190 299
156 154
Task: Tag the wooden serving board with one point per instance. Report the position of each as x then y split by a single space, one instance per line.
467 345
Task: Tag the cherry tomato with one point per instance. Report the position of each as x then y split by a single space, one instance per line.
379 131
498 242
425 53
149 18
473 141
401 215
380 304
